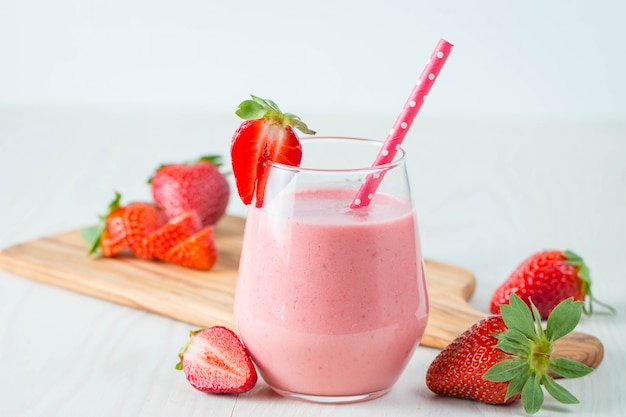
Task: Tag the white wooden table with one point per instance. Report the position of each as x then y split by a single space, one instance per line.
488 194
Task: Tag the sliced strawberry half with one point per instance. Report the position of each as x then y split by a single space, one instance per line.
125 227
142 219
174 232
198 251
110 246
214 360
267 135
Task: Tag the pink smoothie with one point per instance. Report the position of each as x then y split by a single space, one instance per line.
331 301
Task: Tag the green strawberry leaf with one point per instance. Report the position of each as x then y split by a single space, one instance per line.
518 382
300 125
115 203
585 277
89 234
573 258
93 235
568 368
212 159
583 273
532 395
514 342
531 347
258 107
558 392
517 316
563 319
251 110
268 103
505 370
537 317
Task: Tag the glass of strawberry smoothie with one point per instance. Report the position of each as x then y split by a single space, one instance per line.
331 301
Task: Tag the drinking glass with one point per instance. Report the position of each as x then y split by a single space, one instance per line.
331 300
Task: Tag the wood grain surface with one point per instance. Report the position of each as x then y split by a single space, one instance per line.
205 298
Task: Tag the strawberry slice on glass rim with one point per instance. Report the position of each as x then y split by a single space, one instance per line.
267 135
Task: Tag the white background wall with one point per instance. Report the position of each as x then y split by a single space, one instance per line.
537 59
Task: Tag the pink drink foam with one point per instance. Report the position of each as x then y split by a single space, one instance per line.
330 300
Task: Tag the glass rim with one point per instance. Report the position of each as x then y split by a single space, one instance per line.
398 158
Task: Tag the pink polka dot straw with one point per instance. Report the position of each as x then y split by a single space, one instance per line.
404 121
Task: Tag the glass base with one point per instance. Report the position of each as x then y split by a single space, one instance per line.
332 399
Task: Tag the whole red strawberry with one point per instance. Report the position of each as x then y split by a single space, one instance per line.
266 136
198 185
458 370
504 358
215 361
547 278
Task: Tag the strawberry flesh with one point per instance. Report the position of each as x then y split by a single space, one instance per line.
215 361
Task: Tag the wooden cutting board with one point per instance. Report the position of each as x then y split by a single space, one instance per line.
205 298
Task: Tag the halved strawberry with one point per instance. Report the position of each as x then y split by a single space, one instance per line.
198 251
113 237
214 360
266 136
125 227
175 231
142 219
111 245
